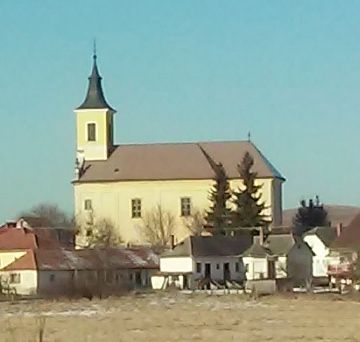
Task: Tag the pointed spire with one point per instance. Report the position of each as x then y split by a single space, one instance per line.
95 98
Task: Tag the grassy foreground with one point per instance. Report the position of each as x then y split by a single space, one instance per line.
175 317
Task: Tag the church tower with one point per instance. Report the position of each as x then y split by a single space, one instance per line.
94 122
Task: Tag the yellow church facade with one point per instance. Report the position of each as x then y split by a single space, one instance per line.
123 183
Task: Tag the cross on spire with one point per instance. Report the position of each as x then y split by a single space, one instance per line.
94 49
249 136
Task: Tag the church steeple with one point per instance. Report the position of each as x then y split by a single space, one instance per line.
95 98
94 121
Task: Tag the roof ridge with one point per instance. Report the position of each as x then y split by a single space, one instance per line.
182 143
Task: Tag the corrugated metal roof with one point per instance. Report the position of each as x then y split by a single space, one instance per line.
87 259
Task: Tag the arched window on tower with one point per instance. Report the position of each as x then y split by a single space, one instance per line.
91 132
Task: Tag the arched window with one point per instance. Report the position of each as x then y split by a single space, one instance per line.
91 132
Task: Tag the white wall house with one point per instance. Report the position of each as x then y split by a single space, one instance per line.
202 257
319 240
78 272
278 257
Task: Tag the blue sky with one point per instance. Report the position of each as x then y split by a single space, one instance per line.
189 70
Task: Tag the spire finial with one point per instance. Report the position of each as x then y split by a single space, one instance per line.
249 136
94 49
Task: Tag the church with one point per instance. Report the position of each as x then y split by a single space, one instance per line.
122 183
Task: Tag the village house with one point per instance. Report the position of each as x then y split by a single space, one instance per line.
198 260
279 256
123 183
56 272
319 239
21 232
15 240
345 252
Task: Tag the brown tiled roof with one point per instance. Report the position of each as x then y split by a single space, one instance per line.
350 236
17 238
31 238
54 238
175 161
26 262
87 259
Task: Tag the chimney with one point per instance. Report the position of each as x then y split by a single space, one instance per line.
172 241
339 228
261 236
10 224
21 223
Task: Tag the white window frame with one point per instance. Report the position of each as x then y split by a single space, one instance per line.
136 208
185 208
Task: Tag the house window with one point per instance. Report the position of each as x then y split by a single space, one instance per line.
52 277
217 266
136 208
198 267
91 132
15 278
88 204
185 206
109 276
246 267
237 267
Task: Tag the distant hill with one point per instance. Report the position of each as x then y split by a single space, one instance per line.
336 214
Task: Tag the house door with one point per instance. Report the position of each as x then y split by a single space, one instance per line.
138 281
207 270
271 269
226 271
207 275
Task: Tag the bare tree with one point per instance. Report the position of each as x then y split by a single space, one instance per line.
47 215
157 226
195 222
98 232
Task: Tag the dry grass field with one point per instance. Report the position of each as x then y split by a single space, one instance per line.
175 317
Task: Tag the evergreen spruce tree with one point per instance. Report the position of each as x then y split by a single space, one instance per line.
309 216
219 215
249 208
